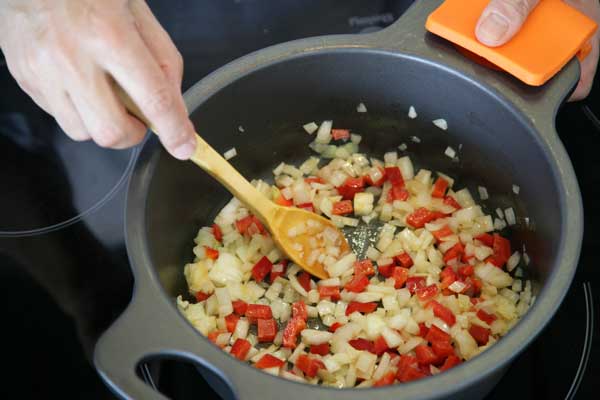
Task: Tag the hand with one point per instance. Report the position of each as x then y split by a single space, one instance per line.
65 54
502 19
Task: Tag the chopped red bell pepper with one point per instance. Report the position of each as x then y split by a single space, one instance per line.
427 292
239 307
442 312
378 183
333 292
267 329
439 188
358 284
269 361
442 349
485 317
304 280
212 336
415 282
394 176
447 276
404 260
340 134
486 239
299 310
450 362
466 270
480 334
361 344
290 333
201 296
425 354
410 374
385 380
397 193
231 321
380 346
217 232
307 206
386 270
442 233
310 366
320 349
250 225
423 330
451 201
240 349
435 334
421 216
501 247
342 207
350 187
261 269
454 252
259 311
282 201
399 275
277 270
364 267
335 326
314 179
365 308
211 253
406 361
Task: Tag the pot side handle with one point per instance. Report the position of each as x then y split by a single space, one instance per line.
409 35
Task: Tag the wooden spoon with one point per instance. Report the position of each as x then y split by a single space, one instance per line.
278 219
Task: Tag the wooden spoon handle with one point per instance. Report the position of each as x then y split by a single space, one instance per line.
212 162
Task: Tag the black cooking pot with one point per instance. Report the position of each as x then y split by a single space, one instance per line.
505 133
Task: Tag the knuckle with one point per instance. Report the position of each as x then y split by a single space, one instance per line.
159 102
108 136
179 137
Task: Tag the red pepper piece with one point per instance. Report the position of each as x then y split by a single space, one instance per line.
442 349
425 355
486 239
314 179
364 267
333 292
436 335
267 329
217 233
399 275
291 331
466 270
442 233
439 188
321 349
282 201
365 308
250 225
212 336
394 176
358 284
427 292
307 206
277 270
501 247
380 346
454 252
340 134
259 311
239 307
386 270
397 193
269 361
261 269
451 201
480 334
299 310
304 280
450 362
240 349
485 317
310 366
361 344
442 312
423 330
350 187
447 276
201 296
335 326
421 216
342 207
415 282
410 374
211 253
385 380
404 260
231 321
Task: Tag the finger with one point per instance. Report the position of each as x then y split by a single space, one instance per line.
501 19
158 42
102 113
68 118
588 71
134 68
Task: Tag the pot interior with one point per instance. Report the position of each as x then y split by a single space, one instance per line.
495 145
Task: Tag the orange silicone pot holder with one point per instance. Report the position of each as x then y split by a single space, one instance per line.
552 35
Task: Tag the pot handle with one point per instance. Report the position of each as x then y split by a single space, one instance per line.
409 35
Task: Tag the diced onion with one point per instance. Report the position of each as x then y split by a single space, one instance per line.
412 113
511 219
361 108
229 154
441 123
310 128
450 152
483 193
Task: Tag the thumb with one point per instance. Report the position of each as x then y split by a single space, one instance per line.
501 19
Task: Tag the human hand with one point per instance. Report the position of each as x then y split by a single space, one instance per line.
66 53
502 19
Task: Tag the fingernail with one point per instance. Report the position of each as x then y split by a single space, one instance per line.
185 151
493 29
